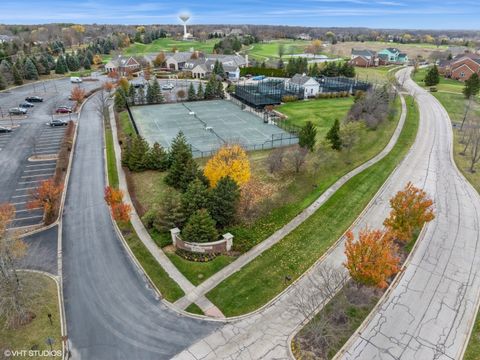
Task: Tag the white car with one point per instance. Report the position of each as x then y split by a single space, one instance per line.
75 80
17 111
168 86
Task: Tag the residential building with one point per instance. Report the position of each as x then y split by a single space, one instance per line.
461 67
363 58
123 65
310 86
177 60
303 36
392 56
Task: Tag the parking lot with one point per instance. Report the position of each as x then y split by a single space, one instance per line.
31 136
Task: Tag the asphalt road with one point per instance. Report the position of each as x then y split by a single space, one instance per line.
30 136
41 251
430 311
111 313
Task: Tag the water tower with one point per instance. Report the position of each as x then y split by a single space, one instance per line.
184 18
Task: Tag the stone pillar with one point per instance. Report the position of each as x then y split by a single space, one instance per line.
229 240
174 233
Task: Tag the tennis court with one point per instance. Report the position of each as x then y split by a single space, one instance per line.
207 125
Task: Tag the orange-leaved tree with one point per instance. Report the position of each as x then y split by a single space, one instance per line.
77 94
108 86
47 196
7 213
411 208
114 198
372 259
229 160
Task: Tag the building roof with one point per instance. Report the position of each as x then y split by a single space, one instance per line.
301 80
363 52
393 50
121 61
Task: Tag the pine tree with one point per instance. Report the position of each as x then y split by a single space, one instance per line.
333 136
140 96
191 92
472 86
156 93
433 77
307 136
219 90
210 89
87 63
157 158
224 200
200 93
183 168
17 78
138 154
131 95
60 67
196 197
150 94
200 228
31 72
170 214
120 99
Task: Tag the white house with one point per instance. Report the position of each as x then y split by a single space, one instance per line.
310 86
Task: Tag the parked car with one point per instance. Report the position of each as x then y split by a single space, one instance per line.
33 99
26 104
63 110
168 86
17 111
58 122
138 85
75 80
4 129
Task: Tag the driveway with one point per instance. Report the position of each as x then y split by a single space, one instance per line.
110 310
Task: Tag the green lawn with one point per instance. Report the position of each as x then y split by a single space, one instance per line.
322 112
197 272
111 165
376 75
447 85
167 44
473 349
263 278
43 300
194 309
269 50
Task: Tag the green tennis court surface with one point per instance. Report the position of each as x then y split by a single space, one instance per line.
207 125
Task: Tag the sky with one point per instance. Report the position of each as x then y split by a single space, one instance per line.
394 14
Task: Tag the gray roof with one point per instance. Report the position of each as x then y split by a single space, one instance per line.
299 79
364 53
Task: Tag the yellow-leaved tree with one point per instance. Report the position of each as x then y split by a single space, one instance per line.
230 160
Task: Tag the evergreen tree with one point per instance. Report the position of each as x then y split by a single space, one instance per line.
156 92
433 77
219 91
87 64
210 89
3 82
196 197
200 228
224 200
138 158
150 94
200 93
60 67
31 72
183 168
472 86
191 92
140 96
307 136
131 95
157 158
120 99
348 70
17 78
170 214
218 69
333 136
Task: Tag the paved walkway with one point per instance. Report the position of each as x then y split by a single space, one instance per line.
207 307
244 259
265 334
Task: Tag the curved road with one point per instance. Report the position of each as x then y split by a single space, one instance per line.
431 309
110 311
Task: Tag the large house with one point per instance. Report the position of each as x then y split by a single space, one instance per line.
202 66
310 86
461 67
363 58
392 56
122 65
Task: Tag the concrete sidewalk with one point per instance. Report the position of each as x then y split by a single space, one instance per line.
207 307
250 255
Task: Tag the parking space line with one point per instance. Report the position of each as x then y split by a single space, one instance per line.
37 170
30 217
36 175
48 148
51 162
19 203
29 182
28 188
19 196
27 210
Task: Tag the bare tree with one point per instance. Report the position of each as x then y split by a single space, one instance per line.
475 147
275 160
298 157
101 103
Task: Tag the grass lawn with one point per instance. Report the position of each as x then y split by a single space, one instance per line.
447 85
321 112
194 309
376 75
111 165
43 301
263 278
473 349
269 50
197 272
167 44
